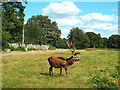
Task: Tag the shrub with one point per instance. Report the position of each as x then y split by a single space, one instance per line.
51 47
20 48
104 78
12 48
30 49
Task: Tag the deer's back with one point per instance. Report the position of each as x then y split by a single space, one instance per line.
56 62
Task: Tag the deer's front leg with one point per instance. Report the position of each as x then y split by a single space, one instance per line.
60 71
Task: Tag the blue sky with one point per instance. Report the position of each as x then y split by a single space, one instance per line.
98 17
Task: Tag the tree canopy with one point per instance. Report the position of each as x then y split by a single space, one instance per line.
41 30
79 38
12 21
61 43
113 41
95 40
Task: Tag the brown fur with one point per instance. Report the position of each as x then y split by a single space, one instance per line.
61 62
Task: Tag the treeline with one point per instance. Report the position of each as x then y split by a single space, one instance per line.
40 30
92 40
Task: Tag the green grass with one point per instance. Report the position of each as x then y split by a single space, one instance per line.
31 70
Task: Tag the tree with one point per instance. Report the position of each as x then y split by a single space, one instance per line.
41 30
61 43
104 42
33 34
78 37
95 40
5 39
12 22
113 41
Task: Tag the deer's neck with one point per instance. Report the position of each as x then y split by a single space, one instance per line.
70 61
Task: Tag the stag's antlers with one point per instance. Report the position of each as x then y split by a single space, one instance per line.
71 47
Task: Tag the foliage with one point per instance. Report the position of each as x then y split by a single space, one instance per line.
105 78
61 43
113 41
95 40
5 39
41 30
104 42
51 47
30 49
98 42
12 20
20 48
12 48
78 37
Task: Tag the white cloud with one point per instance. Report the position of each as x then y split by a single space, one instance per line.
99 17
66 14
103 26
65 32
61 10
69 21
89 30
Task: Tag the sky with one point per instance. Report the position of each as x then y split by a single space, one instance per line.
98 17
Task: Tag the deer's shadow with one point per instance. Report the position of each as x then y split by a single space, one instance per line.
46 74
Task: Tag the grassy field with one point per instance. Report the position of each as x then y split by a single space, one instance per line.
31 70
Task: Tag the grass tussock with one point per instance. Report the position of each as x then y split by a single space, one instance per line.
31 70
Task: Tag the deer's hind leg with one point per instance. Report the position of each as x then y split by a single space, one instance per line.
51 70
66 71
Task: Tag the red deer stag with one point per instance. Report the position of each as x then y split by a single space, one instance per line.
63 62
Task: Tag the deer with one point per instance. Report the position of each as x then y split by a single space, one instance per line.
63 62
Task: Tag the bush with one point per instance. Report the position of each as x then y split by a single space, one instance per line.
30 49
51 47
12 48
104 78
5 46
20 49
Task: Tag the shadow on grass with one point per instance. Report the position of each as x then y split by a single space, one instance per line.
46 74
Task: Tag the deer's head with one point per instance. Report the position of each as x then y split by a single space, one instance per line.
72 49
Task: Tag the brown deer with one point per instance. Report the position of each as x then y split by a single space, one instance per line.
63 62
